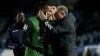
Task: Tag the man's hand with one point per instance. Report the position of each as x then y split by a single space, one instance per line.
41 15
11 47
51 18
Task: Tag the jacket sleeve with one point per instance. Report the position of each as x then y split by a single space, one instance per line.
9 41
61 28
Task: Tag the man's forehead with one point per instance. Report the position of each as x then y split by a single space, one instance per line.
21 13
48 7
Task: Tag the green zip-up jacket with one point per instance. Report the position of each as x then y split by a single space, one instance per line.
35 39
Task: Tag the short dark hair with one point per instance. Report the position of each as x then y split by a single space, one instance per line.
38 6
16 12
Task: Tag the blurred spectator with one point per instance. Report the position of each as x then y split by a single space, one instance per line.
88 52
95 37
86 41
78 40
98 51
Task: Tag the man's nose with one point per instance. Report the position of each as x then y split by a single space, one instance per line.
21 18
50 10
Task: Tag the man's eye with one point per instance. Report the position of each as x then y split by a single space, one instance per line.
53 8
18 16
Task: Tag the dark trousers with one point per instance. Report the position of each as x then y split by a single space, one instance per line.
19 51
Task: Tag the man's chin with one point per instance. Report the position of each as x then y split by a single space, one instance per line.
21 22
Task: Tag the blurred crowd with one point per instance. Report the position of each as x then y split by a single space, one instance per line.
88 43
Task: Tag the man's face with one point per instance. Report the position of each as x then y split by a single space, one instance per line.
20 18
51 10
54 9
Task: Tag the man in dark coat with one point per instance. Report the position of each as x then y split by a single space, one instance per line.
15 33
63 34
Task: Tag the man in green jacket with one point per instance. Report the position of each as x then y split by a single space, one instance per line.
34 43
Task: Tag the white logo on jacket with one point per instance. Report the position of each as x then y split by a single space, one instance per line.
25 27
15 30
48 25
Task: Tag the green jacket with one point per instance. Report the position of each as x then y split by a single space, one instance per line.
35 41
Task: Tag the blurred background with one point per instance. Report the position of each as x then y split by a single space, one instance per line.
87 13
